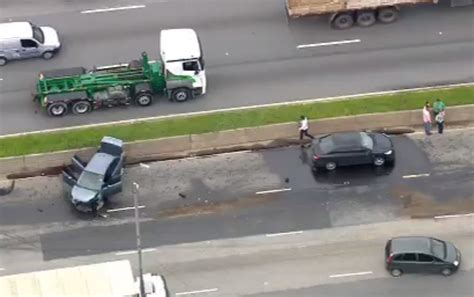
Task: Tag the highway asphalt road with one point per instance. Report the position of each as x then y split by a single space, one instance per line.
221 196
251 53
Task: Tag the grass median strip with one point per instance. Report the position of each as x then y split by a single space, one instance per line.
87 137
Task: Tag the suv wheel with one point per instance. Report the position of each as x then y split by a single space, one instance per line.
330 166
379 161
3 61
446 271
395 272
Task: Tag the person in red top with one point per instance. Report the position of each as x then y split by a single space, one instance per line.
427 118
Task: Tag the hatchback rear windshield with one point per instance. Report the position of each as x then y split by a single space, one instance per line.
327 145
438 248
366 141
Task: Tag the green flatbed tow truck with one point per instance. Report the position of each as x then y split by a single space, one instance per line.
80 90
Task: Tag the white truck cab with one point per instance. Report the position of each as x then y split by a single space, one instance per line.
182 55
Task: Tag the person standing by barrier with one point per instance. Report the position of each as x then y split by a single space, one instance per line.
439 118
427 118
304 127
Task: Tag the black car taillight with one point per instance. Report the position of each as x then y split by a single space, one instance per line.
316 157
390 258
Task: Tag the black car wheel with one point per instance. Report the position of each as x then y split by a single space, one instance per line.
379 161
3 61
330 166
47 55
446 271
396 272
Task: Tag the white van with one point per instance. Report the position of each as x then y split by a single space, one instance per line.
22 40
181 53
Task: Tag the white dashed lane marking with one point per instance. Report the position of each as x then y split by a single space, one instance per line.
125 208
273 191
112 9
351 274
197 292
283 233
301 46
416 175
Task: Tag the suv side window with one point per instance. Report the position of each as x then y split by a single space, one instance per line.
425 258
28 43
409 257
398 258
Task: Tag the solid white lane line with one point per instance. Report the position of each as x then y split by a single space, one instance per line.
197 292
273 191
328 43
351 274
112 9
455 216
247 107
283 233
134 252
416 175
124 208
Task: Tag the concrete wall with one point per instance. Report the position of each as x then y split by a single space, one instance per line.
263 136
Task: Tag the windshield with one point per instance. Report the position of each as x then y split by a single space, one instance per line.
38 34
438 248
91 181
366 141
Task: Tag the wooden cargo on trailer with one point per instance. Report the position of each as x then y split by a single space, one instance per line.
298 8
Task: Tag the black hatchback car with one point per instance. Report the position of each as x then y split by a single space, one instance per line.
421 255
352 148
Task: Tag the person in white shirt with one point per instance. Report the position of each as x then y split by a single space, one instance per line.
304 128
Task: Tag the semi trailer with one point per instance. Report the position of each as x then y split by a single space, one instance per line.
343 14
179 75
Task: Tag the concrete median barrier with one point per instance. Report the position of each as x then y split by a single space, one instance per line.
231 140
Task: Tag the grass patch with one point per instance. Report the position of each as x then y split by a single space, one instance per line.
73 139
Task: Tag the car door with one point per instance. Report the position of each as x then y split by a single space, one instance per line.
78 164
426 263
409 263
69 176
29 49
113 179
359 156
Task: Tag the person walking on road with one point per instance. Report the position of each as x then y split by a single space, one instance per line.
439 118
438 106
304 128
427 118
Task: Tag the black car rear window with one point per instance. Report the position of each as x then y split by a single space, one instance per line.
326 145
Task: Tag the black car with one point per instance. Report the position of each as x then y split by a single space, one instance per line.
90 183
412 254
352 148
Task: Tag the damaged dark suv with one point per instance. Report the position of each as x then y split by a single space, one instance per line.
89 184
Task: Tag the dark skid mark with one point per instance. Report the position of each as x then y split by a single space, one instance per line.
216 207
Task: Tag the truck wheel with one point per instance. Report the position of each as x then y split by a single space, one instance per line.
366 18
47 55
181 95
57 109
3 61
81 107
387 15
343 21
144 99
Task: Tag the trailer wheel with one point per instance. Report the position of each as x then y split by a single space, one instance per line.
144 99
180 94
343 21
3 61
57 109
81 107
387 15
366 18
